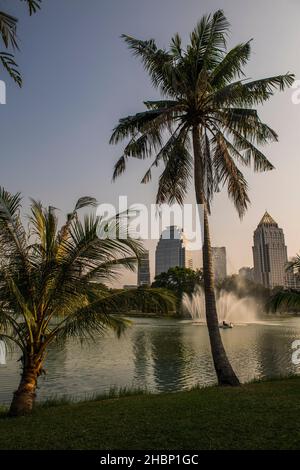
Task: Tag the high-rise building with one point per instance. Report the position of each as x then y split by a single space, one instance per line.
269 254
219 262
170 250
144 270
193 259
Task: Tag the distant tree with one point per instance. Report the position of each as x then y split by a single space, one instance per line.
180 281
243 287
8 34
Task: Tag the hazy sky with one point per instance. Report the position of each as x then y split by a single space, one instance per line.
79 79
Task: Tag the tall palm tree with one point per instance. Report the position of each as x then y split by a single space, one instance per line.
51 284
206 106
8 34
289 299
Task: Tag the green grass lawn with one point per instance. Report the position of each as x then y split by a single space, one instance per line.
264 415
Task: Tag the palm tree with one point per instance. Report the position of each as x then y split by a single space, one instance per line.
8 33
287 299
206 106
51 284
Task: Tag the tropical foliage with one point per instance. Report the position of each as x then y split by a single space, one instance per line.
288 300
52 283
180 281
205 127
8 34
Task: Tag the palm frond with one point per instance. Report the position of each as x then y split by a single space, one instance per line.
208 40
119 167
247 122
269 85
252 153
231 67
151 121
176 47
165 152
8 30
285 300
8 62
157 62
174 181
33 5
250 93
85 201
228 173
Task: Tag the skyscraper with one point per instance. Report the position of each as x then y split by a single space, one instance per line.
144 270
219 262
170 250
269 253
194 260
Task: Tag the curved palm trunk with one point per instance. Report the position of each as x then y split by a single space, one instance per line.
224 371
24 398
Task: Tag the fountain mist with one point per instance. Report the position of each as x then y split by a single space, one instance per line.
230 308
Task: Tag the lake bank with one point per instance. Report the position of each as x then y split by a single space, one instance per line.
260 415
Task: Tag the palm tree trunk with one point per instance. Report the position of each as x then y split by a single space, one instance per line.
24 398
224 371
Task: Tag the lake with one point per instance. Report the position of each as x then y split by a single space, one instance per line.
160 355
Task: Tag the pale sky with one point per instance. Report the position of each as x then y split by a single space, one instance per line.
79 79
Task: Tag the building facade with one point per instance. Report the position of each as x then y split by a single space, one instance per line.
219 262
170 250
269 254
193 259
143 278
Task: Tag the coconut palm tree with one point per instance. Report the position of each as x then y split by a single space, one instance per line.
51 283
287 299
8 34
205 126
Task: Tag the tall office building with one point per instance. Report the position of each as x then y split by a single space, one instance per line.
170 250
144 270
269 254
219 262
193 259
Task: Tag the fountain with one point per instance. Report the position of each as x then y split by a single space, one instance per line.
231 309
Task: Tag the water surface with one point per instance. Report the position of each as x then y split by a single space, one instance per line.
160 355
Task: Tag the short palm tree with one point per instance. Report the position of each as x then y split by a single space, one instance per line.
287 299
51 284
204 126
8 34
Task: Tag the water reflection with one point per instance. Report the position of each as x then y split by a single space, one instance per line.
161 355
168 358
141 358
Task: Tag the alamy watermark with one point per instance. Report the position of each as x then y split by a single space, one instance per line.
296 353
2 92
296 93
2 353
150 222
